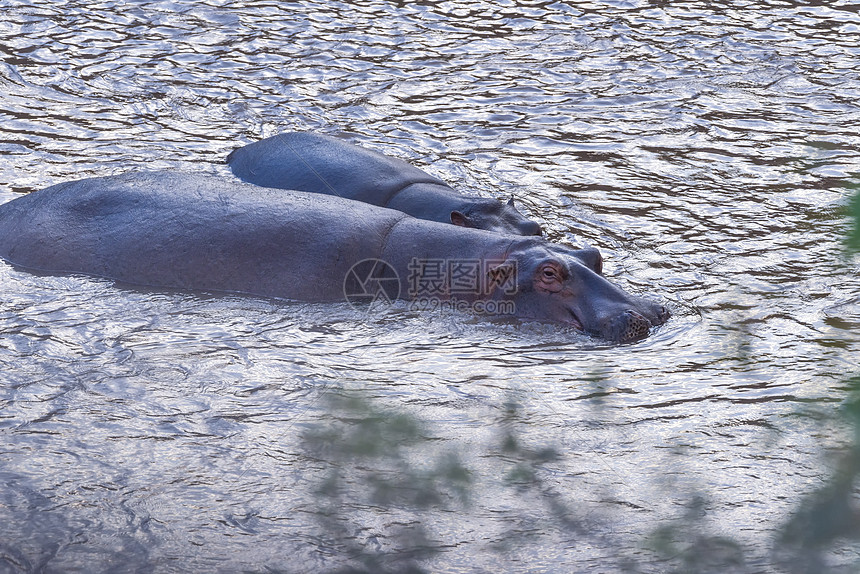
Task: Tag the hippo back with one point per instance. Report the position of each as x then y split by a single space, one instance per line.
325 164
194 232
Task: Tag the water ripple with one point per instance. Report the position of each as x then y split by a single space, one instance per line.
707 148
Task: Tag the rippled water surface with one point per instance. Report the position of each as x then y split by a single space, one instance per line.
707 148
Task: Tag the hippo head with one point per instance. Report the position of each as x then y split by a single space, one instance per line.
558 284
492 215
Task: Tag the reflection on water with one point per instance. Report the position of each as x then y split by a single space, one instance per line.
703 147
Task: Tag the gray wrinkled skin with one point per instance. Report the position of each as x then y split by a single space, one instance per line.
324 164
204 233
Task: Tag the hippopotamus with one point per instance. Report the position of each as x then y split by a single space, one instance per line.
324 164
196 232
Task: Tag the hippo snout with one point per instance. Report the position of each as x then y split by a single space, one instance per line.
628 326
532 228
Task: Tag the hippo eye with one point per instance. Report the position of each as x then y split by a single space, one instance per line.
547 278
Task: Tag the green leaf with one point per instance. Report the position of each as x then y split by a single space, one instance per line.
854 214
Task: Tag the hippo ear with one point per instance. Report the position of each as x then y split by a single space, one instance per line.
592 259
458 218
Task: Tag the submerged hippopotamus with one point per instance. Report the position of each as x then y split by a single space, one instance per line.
205 233
324 164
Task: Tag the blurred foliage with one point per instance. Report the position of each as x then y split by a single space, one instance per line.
822 522
378 459
522 469
386 461
854 212
685 545
830 514
385 475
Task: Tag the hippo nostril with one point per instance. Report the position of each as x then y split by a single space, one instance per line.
629 326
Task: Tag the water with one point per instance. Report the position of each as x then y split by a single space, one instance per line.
704 147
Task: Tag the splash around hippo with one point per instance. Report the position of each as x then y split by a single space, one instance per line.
204 233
